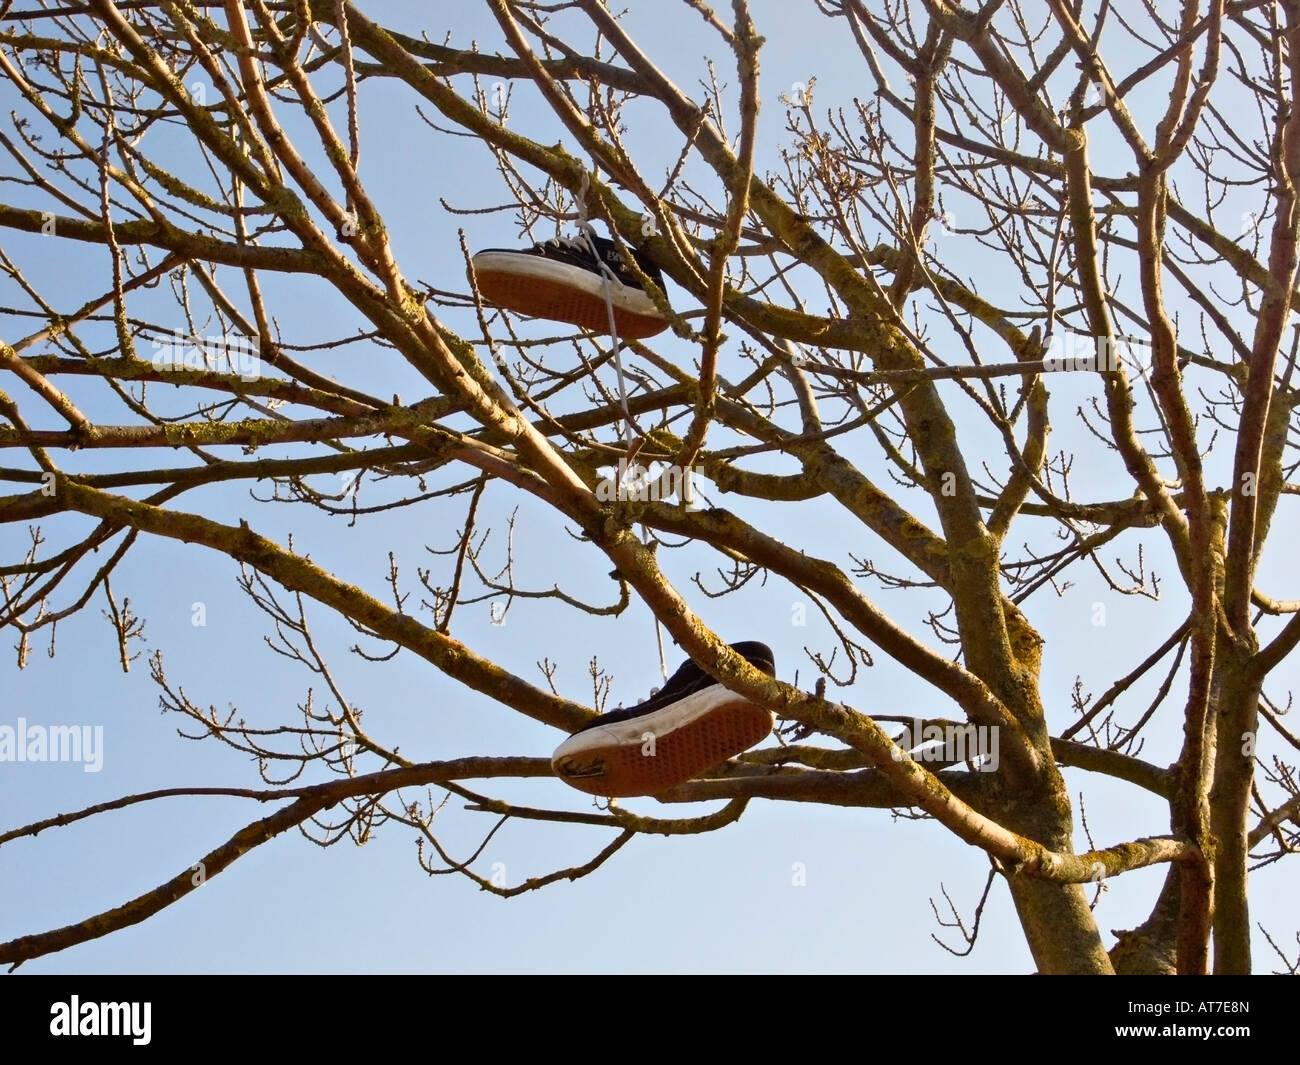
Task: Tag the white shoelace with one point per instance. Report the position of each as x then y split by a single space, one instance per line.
587 237
575 243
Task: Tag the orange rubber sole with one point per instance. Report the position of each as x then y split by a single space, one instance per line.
620 770
539 298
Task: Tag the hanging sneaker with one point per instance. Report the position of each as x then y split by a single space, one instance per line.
691 724
561 280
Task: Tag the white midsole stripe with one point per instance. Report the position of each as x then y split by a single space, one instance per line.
660 723
629 299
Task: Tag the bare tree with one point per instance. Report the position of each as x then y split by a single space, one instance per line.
216 150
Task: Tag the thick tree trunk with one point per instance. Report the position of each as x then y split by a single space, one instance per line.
1058 925
1237 714
1151 949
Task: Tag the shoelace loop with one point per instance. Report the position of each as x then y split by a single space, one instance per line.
574 243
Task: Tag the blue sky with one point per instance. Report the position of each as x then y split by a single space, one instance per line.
726 901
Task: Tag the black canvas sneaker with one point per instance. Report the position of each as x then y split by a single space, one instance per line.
691 724
561 280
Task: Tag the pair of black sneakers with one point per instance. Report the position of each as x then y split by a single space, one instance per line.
692 723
